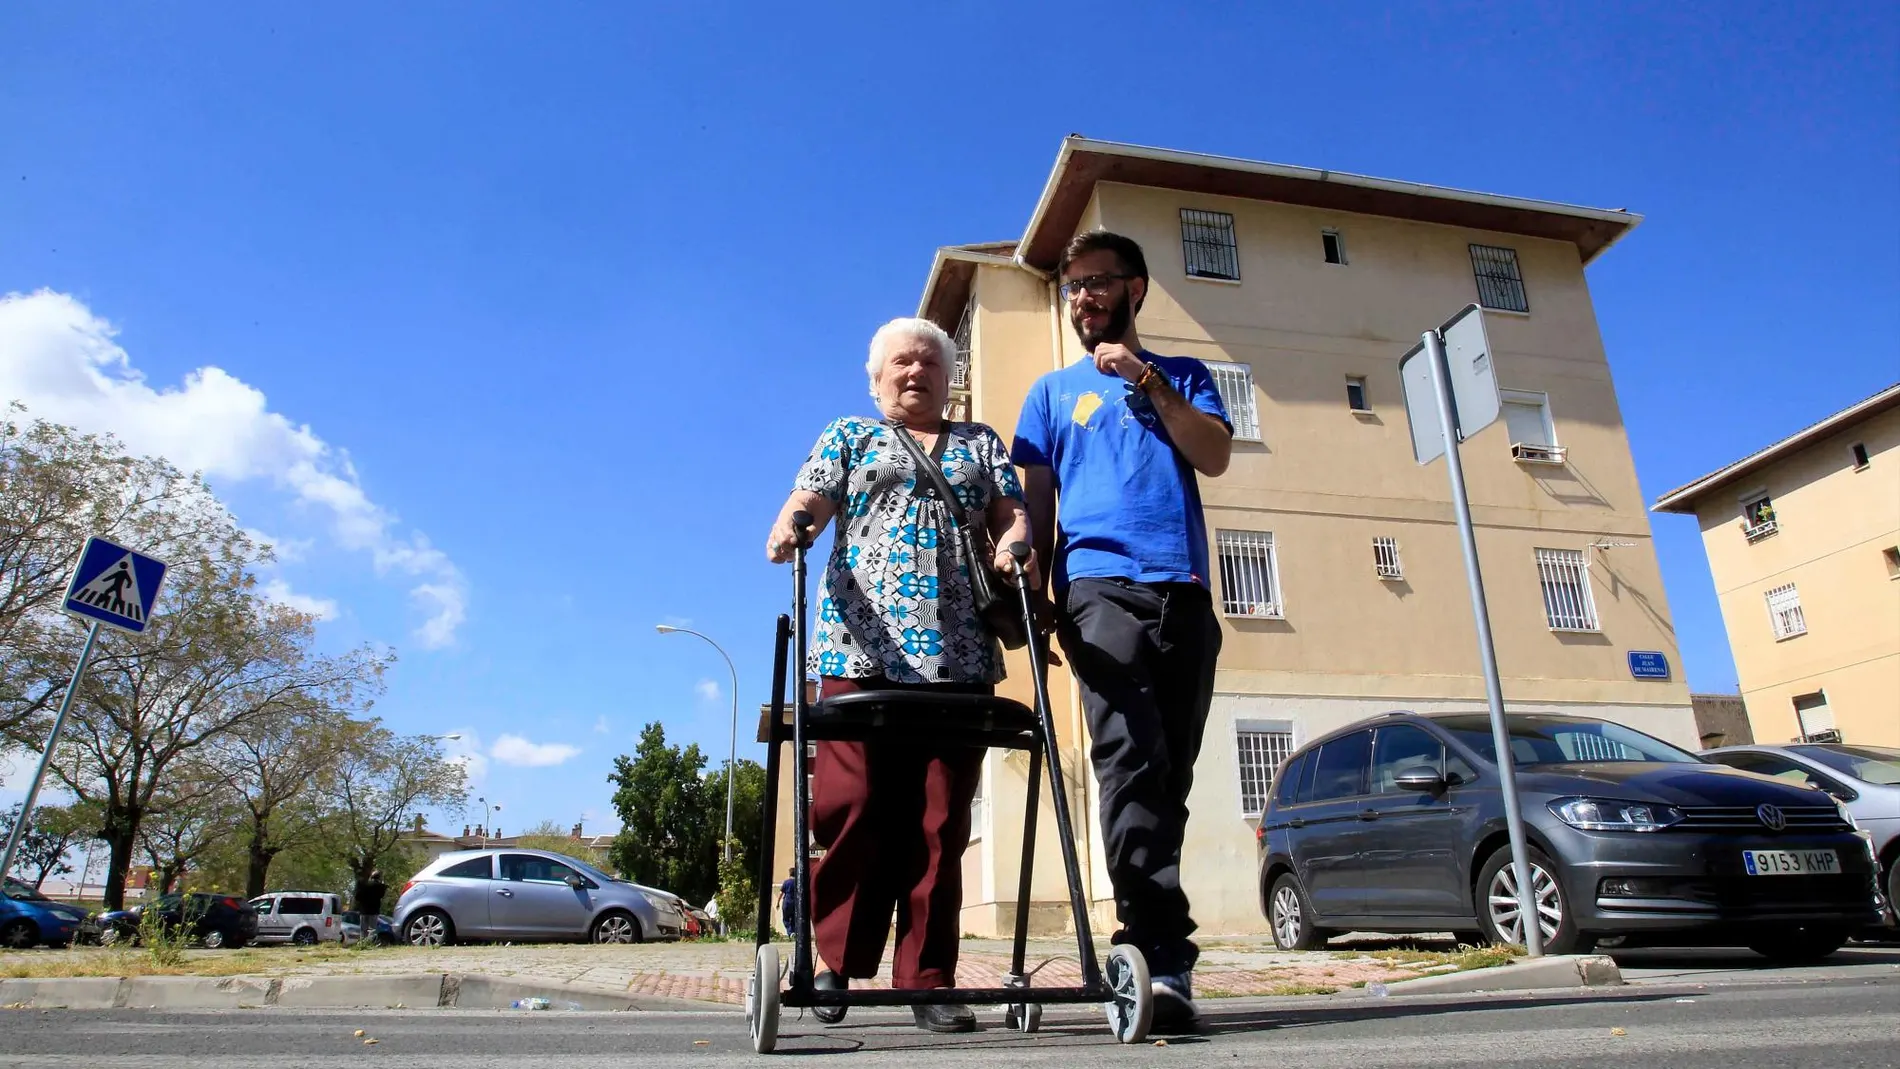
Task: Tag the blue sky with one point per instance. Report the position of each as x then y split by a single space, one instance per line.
518 324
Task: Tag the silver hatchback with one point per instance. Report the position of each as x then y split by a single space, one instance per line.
528 895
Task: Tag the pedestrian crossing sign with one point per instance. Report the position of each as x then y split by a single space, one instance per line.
115 586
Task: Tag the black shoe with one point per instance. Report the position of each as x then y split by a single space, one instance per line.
829 981
1175 1012
945 1018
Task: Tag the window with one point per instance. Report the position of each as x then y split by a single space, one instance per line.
1290 780
1758 517
1859 450
1401 748
1249 575
1334 245
1784 612
1815 718
1533 433
1260 745
1235 384
475 868
960 372
1499 285
1356 394
1341 768
1779 767
527 867
302 906
1207 245
1892 556
1385 558
1565 577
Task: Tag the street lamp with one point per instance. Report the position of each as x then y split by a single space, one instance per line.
449 737
487 824
732 747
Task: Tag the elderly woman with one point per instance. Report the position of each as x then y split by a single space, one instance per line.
897 613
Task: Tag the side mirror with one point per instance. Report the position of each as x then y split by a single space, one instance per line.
1420 779
574 881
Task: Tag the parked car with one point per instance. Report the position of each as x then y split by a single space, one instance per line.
305 918
700 923
529 895
379 930
1397 825
28 918
215 920
1865 778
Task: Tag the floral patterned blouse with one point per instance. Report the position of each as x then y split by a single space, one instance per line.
897 597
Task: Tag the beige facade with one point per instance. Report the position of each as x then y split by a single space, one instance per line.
1803 540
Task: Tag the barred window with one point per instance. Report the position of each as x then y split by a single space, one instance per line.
1235 383
1385 558
1261 747
1565 576
1207 245
1499 284
1249 574
1784 612
960 373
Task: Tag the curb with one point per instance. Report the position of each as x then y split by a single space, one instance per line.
1560 971
410 991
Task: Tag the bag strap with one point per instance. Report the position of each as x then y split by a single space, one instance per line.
925 465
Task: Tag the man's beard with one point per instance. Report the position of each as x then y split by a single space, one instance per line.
1119 319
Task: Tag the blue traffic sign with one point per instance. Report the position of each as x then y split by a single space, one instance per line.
115 586
1647 664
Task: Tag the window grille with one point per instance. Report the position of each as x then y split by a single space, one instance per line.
1565 576
1249 575
1385 558
1784 612
1499 284
960 372
1235 383
1207 245
1260 753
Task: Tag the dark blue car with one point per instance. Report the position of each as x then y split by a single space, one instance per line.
28 918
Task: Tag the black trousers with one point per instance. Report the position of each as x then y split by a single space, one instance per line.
1144 656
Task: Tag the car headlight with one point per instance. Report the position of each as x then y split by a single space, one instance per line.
1847 816
1608 814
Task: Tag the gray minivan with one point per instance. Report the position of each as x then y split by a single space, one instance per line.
528 895
1396 825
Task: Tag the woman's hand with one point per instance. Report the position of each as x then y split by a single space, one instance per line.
1005 564
784 538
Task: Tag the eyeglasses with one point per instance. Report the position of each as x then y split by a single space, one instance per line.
1094 285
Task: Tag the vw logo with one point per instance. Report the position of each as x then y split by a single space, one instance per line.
1771 817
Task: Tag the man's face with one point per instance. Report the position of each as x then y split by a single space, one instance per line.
1103 312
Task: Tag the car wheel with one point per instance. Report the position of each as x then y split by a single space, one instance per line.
1799 944
429 928
214 939
616 927
1498 911
304 938
1291 916
19 934
1893 885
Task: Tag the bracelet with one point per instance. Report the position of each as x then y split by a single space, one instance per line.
1150 377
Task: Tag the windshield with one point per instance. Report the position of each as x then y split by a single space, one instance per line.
1555 740
20 892
1868 764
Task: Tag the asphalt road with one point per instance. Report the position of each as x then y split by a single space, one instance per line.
1836 1024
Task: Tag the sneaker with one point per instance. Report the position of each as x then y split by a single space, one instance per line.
829 981
948 1017
1175 1012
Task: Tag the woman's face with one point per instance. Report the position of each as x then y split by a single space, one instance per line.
912 382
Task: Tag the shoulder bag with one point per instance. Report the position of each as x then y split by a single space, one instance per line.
994 599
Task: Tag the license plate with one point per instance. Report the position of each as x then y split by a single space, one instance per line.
1790 862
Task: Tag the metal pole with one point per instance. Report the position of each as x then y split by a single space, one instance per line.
46 756
1487 651
732 745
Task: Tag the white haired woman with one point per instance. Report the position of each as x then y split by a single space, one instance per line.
897 613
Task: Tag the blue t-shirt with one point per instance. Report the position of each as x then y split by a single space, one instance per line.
1129 505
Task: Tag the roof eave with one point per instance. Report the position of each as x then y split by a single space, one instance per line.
1682 500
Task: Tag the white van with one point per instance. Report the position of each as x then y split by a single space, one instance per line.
305 918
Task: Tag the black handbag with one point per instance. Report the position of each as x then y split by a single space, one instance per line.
995 599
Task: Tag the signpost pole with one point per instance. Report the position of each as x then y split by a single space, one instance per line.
1487 652
46 756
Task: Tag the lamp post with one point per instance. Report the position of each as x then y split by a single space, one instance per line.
487 824
732 746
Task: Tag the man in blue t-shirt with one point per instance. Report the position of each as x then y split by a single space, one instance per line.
1120 437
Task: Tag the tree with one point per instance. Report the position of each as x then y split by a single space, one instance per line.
274 767
665 839
54 831
748 806
380 781
551 836
186 825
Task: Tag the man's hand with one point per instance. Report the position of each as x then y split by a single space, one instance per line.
1119 359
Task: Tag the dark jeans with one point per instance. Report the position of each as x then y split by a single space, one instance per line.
894 819
1144 656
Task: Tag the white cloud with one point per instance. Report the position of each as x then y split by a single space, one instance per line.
601 726
707 689
61 360
279 591
286 550
467 752
517 751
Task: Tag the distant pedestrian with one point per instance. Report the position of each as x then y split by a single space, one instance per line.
785 892
369 894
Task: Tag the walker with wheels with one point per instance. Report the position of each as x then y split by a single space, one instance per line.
1120 984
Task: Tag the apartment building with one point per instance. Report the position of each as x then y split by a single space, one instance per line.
1803 539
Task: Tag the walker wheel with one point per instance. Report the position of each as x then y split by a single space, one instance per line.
761 1000
1023 1018
1133 1009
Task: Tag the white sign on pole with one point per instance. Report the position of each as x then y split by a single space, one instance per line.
1474 384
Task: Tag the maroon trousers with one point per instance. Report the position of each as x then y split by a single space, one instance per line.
893 819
